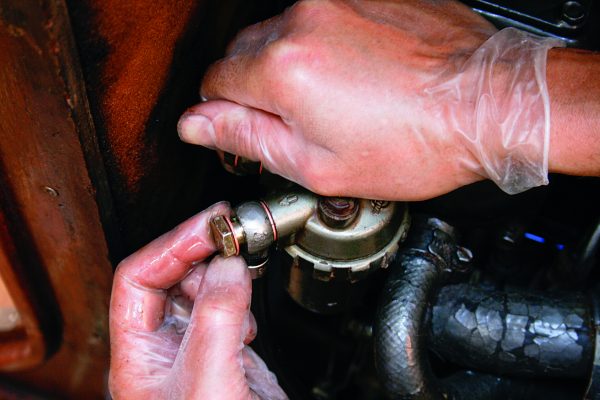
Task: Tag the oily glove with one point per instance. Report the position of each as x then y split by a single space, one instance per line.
380 99
179 329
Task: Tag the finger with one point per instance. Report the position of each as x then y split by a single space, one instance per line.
191 283
252 329
166 260
187 291
138 296
213 342
247 132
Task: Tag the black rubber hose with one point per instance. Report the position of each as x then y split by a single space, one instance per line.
401 333
400 343
514 333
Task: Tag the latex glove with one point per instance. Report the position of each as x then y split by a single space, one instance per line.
380 99
159 350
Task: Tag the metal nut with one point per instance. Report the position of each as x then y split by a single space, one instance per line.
464 255
224 237
338 212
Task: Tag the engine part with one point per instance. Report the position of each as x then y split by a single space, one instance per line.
588 252
337 241
513 333
592 391
400 353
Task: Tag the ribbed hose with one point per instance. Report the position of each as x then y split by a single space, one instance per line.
400 351
514 333
403 366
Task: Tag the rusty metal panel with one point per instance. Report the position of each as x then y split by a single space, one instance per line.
54 196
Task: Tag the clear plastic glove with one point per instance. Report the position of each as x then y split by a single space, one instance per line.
401 100
180 329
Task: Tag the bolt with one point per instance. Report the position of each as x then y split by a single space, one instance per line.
464 255
224 237
338 212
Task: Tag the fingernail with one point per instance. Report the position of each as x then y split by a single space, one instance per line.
196 129
223 272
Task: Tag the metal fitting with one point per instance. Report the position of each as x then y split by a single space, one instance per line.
223 236
338 212
330 244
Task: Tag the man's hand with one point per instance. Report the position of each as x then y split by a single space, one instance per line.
179 328
331 94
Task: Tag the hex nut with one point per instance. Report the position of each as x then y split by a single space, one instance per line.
223 236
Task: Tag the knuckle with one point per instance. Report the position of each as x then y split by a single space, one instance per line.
211 82
241 130
122 267
290 59
234 131
281 52
306 9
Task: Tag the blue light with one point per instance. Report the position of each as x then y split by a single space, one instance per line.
535 238
560 246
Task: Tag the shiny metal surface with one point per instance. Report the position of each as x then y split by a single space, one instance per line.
372 229
257 228
360 249
367 237
338 212
258 270
326 264
223 236
290 211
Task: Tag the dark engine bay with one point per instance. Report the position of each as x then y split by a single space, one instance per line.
490 296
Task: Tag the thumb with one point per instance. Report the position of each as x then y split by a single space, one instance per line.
209 363
244 131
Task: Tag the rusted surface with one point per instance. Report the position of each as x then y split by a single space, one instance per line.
143 36
142 72
24 346
143 61
49 199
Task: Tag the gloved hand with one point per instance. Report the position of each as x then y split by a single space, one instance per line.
159 350
401 100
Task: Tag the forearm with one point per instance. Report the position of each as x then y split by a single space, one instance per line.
573 78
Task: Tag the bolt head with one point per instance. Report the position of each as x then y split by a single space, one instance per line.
464 255
338 212
223 236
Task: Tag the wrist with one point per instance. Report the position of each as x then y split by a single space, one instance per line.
574 92
498 105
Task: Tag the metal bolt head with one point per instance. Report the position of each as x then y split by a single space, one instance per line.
464 255
223 236
338 212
